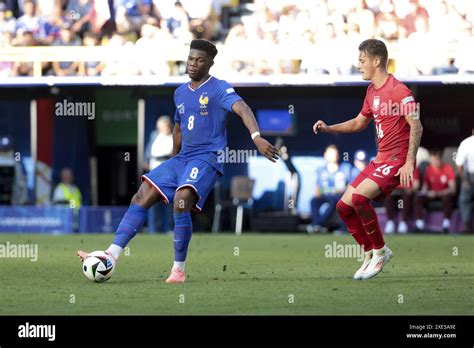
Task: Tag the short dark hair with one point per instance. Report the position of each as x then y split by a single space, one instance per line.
375 48
204 45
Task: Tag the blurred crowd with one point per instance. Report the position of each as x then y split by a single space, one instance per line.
427 36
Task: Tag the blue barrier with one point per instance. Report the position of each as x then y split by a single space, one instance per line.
28 219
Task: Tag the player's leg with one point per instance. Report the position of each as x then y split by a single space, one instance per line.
365 192
447 211
316 204
464 203
391 214
331 201
197 180
348 214
354 226
407 195
157 185
184 199
133 220
420 200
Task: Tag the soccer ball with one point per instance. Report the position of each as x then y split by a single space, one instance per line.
98 266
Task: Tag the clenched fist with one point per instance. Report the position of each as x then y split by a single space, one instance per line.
320 126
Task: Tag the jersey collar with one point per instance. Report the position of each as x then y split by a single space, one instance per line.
202 84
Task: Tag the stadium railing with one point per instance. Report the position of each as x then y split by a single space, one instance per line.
175 51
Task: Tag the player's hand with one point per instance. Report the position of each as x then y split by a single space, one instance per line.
320 126
406 174
267 149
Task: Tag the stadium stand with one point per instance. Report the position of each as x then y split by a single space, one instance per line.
258 37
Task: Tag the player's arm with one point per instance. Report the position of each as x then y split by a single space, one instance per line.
416 130
176 139
246 114
451 190
357 124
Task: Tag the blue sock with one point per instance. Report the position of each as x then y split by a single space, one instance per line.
131 223
183 229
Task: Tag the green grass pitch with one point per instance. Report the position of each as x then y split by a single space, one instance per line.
272 275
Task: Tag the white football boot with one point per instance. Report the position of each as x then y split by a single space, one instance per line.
360 272
379 259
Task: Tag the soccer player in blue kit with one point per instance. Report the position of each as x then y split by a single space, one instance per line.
199 135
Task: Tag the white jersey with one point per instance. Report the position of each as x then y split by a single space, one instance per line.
465 154
162 146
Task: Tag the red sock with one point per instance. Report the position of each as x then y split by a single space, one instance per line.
369 219
354 225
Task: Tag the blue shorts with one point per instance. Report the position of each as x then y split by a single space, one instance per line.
176 173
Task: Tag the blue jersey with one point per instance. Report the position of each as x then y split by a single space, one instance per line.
201 113
330 182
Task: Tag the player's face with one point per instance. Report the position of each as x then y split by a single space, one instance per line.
435 161
67 176
331 155
366 66
198 64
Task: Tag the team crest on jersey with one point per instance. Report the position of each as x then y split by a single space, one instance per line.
375 106
204 100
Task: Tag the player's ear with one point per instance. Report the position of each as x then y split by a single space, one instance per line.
376 62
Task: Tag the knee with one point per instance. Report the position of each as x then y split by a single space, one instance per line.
343 208
359 200
146 196
137 198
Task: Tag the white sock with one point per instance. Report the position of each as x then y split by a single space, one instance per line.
115 250
178 264
446 223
